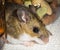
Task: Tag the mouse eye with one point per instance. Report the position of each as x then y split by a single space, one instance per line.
35 29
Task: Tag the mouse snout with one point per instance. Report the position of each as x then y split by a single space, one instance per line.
44 36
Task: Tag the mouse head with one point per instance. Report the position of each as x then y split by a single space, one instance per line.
23 20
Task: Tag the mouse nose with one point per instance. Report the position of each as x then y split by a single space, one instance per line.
35 29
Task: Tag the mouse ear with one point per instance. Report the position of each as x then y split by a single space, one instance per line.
23 15
32 8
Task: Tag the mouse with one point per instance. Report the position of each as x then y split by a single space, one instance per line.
24 26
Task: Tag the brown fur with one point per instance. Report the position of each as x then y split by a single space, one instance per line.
16 25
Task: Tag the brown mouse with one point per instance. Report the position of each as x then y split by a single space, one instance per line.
21 21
